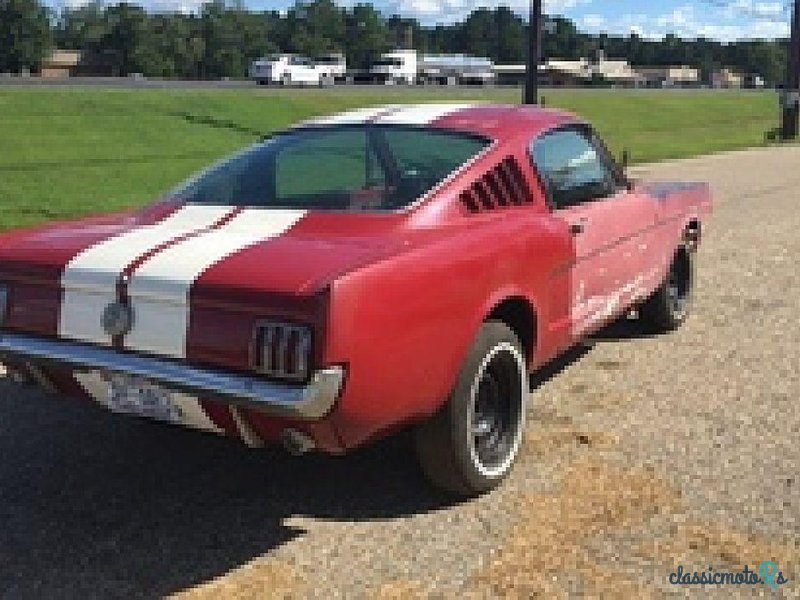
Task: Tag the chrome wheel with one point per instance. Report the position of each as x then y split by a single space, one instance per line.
679 287
497 410
469 446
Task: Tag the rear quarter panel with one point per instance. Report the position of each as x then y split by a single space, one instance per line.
679 205
404 325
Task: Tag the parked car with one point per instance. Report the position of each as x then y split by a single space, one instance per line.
392 267
287 69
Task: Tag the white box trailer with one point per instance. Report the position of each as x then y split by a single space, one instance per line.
409 67
452 69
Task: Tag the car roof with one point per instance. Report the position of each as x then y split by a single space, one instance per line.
497 121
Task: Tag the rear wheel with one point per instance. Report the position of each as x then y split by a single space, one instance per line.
668 307
470 446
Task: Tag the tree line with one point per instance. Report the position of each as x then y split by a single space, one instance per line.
223 37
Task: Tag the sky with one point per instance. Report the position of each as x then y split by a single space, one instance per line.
717 19
724 20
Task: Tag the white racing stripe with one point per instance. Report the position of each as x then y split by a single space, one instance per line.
159 289
353 117
417 114
421 114
89 280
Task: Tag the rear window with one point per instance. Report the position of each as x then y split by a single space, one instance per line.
352 168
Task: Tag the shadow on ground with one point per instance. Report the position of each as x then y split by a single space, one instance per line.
97 505
624 329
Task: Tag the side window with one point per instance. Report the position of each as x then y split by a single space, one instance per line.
572 168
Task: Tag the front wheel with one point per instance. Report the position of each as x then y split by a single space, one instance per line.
471 444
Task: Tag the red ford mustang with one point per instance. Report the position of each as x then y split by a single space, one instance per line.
388 267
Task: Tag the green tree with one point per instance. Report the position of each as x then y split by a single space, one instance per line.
174 47
127 37
25 35
316 27
79 27
478 35
366 35
223 54
512 40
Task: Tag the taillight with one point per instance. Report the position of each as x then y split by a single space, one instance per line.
283 350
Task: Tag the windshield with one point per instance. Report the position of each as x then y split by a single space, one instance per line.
350 168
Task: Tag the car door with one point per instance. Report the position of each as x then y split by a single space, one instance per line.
608 224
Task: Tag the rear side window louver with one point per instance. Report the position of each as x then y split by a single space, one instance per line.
503 186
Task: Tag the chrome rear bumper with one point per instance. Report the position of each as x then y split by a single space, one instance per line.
313 400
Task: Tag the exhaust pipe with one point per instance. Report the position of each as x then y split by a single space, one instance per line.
296 442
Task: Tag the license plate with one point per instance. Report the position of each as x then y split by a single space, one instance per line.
135 396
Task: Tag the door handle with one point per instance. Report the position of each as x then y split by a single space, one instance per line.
578 227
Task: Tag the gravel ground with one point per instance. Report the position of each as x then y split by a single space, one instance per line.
643 453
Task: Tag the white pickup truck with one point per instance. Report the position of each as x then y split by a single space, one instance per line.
293 69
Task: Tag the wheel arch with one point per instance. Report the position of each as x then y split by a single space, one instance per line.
692 234
519 313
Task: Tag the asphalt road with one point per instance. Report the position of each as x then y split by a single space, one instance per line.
155 83
643 454
146 82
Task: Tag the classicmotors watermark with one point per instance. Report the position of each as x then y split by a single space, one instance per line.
768 574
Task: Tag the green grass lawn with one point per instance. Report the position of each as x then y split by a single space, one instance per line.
65 152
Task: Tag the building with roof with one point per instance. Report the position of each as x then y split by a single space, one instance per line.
727 79
60 63
670 76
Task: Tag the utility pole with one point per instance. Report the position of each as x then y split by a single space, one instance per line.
535 30
791 92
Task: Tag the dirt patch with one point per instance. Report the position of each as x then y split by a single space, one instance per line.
549 553
545 441
401 590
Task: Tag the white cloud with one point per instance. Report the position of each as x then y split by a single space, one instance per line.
593 21
678 19
448 11
182 6
736 20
